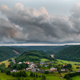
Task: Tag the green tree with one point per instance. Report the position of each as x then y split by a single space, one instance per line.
18 67
69 66
43 77
8 72
46 72
32 74
36 75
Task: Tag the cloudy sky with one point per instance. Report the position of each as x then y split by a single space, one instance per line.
39 21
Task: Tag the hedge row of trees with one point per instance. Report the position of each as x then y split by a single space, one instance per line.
24 74
68 76
17 66
19 74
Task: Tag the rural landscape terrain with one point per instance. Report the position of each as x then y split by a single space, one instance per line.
40 62
39 39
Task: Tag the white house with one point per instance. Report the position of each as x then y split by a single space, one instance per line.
63 70
53 69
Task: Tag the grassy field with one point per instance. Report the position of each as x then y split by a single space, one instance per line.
42 60
76 78
3 76
6 62
69 62
54 76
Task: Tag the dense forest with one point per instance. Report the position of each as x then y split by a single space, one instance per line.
7 52
44 48
33 56
71 53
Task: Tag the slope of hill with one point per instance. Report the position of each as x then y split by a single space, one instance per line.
44 48
32 56
6 53
71 53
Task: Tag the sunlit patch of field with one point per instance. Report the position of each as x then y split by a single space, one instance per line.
6 62
42 60
67 62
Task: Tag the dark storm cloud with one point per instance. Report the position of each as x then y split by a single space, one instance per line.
26 24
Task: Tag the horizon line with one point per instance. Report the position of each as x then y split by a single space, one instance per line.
39 44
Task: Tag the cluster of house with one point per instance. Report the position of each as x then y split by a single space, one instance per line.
34 68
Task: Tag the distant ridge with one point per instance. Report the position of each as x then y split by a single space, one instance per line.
71 53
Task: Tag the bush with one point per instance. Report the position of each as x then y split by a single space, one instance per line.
77 67
46 72
19 74
8 72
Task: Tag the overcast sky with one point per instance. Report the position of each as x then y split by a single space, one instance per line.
39 21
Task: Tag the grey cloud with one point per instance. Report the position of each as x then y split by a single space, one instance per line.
38 25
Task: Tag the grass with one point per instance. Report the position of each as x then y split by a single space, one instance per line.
6 62
3 76
69 62
76 78
54 76
42 60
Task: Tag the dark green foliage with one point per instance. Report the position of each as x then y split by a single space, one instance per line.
33 56
8 72
43 77
46 72
36 75
19 74
32 74
49 65
18 66
68 76
51 49
71 53
6 53
2 65
10 60
77 67
69 66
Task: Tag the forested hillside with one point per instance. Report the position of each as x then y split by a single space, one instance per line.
32 56
71 53
6 53
44 48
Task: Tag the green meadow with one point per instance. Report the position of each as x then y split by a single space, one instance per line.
74 64
53 76
3 76
76 78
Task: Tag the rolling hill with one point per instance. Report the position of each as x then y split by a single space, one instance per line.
44 48
71 53
7 52
33 56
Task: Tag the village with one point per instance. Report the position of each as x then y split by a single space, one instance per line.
47 67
